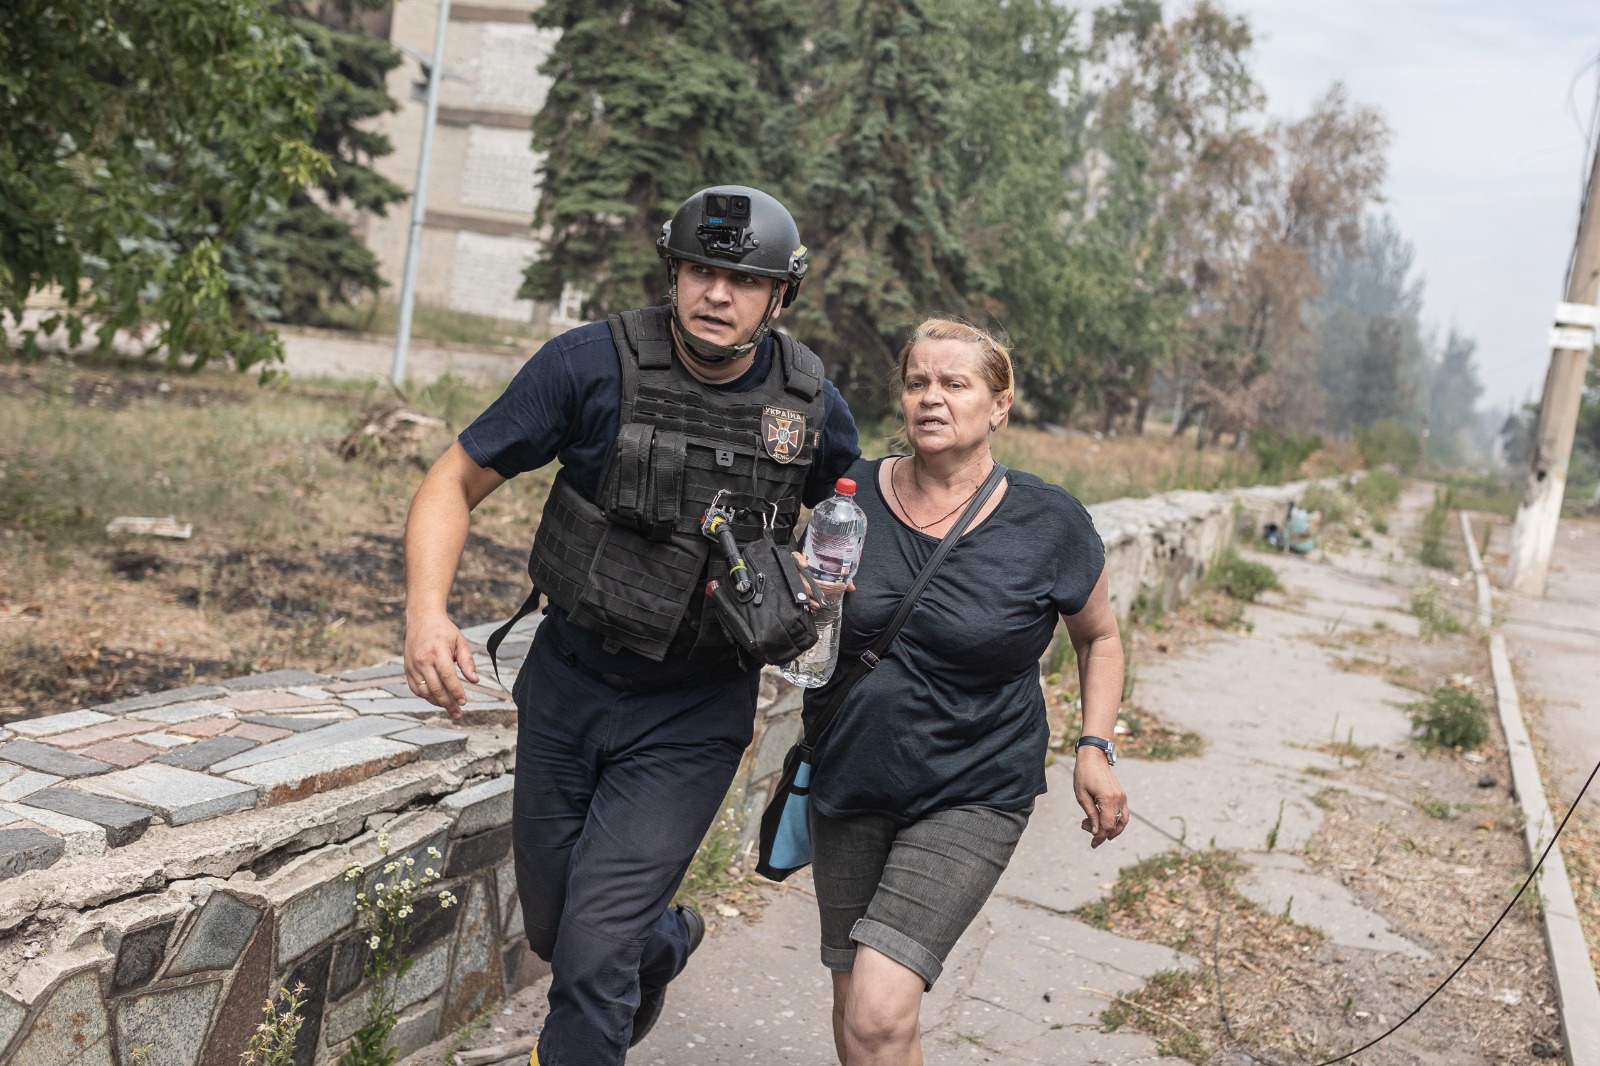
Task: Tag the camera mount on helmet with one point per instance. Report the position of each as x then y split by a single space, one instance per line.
734 227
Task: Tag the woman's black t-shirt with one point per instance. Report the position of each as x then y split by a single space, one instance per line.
954 714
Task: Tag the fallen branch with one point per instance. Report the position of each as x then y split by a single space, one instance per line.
483 1056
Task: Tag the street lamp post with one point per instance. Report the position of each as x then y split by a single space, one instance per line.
419 202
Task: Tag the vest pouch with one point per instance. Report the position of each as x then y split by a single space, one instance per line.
643 486
775 625
639 589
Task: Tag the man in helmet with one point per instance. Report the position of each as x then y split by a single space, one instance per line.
634 706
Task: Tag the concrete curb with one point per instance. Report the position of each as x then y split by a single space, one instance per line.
1576 989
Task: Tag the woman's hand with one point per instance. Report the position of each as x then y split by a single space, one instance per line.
1103 800
805 577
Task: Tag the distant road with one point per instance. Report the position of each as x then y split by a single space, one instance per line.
323 353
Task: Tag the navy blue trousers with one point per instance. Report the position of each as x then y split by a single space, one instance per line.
614 792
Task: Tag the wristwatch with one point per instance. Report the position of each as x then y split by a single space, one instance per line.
1104 745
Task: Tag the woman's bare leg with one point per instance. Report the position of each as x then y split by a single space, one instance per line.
882 1014
841 994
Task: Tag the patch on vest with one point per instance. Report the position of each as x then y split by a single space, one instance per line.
783 433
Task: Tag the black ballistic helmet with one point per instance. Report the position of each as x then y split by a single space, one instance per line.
737 228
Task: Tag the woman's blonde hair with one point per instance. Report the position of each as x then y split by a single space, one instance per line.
994 357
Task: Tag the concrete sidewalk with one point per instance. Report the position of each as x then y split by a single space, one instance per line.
1013 991
1555 646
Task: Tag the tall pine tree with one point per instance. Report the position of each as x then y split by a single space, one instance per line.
880 204
652 100
309 255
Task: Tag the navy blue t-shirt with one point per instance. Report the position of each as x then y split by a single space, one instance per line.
565 404
953 715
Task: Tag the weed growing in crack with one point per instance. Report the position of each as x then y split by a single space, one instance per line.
388 915
1434 615
1450 718
273 1042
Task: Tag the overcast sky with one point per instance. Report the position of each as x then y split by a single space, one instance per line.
1487 163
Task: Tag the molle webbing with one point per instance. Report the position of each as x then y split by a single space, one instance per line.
632 566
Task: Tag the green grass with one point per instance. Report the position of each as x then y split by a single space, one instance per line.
434 324
1378 490
1435 524
1433 614
1243 579
1451 717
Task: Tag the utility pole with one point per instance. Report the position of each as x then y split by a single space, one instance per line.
419 202
1571 341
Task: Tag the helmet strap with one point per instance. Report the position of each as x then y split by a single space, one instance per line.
706 352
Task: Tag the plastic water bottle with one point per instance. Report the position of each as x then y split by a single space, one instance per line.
833 549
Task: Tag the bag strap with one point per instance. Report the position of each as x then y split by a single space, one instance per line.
874 655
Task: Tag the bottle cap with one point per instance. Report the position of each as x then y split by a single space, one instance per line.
845 487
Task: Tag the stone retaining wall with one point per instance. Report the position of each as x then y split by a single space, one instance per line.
166 862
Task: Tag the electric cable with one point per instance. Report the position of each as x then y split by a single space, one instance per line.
1216 947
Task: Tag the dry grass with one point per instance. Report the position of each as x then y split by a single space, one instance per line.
1110 467
296 554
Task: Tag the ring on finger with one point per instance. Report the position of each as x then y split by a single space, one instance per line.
1118 818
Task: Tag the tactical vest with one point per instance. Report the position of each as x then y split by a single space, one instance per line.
633 567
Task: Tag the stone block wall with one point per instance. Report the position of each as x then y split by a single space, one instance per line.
167 862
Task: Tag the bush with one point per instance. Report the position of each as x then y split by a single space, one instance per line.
1437 619
1389 443
1450 718
1432 551
1331 504
1377 490
1242 579
1280 454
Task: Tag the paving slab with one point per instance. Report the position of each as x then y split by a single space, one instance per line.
433 743
114 729
58 723
179 796
22 850
393 705
167 698
311 692
172 1024
164 741
201 728
273 679
1282 884
26 784
218 936
81 837
359 690
71 1029
123 822
122 753
307 773
203 754
480 807
183 712
288 722
48 759
259 733
370 673
268 700
336 733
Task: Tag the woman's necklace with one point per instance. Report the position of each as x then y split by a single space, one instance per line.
907 511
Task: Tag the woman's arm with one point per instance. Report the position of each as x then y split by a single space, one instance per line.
1098 645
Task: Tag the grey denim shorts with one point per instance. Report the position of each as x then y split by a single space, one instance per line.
907 891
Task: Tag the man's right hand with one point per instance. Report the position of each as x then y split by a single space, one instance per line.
434 649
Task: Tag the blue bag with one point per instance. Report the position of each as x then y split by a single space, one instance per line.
785 825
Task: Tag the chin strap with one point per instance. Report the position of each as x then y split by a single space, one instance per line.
708 353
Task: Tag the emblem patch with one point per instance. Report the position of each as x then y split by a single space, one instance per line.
783 433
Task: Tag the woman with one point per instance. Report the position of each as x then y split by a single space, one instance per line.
926 778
